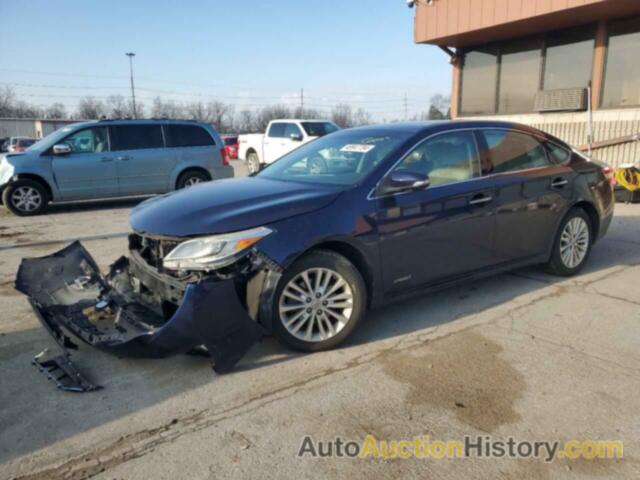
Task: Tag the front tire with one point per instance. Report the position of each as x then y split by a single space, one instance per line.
572 245
319 302
25 197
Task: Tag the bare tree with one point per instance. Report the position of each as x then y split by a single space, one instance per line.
196 111
342 115
168 109
118 107
7 101
90 108
272 112
245 122
361 117
439 107
220 114
56 111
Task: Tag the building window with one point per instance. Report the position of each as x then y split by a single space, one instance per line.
519 76
569 58
622 72
479 80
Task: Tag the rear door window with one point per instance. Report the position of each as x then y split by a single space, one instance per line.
136 137
510 151
277 130
187 136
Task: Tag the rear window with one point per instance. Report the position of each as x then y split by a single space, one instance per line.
318 129
187 136
512 151
557 153
230 140
136 137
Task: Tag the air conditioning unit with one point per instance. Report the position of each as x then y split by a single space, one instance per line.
562 100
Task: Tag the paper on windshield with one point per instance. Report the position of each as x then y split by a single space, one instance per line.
357 148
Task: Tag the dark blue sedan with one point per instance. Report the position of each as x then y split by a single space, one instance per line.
350 221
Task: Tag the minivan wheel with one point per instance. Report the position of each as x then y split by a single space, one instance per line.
25 197
253 163
191 178
319 302
572 245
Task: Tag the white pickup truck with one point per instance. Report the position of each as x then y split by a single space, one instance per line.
282 136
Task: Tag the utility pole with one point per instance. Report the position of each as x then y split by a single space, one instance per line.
133 90
302 102
406 113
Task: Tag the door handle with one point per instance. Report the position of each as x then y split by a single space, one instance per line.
123 158
480 200
106 159
559 182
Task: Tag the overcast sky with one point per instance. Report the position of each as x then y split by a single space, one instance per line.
248 52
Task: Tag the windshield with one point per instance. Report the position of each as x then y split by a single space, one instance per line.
319 129
342 158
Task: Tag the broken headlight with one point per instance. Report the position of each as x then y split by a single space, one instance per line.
211 253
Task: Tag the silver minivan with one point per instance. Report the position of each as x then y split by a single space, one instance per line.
112 158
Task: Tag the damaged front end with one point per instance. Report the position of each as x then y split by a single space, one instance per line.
139 310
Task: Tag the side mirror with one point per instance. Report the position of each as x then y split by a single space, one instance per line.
404 181
61 149
296 137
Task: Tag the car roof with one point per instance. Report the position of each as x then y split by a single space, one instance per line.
140 121
434 126
301 120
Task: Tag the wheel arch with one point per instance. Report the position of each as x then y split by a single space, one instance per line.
592 212
355 256
35 178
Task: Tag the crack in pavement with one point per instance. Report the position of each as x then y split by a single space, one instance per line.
138 444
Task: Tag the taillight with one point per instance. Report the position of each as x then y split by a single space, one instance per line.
610 173
225 156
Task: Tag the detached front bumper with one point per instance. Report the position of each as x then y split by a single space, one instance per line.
72 299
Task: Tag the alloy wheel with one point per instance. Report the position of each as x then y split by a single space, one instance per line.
191 181
316 304
574 242
26 199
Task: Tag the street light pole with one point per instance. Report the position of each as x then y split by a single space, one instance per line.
133 91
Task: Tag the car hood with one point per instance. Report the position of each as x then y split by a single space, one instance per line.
227 206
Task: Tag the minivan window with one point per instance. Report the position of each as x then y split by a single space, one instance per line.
319 129
510 151
277 130
88 140
187 136
136 137
447 158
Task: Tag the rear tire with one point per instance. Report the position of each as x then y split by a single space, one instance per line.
572 245
191 178
253 163
26 197
319 302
